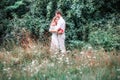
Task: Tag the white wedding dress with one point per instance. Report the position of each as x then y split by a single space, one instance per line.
54 46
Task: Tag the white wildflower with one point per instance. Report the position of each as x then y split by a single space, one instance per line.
51 65
82 52
81 72
67 60
118 69
94 57
8 52
6 69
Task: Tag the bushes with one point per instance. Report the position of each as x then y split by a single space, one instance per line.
105 33
84 20
103 39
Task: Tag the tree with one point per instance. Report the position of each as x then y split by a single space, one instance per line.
83 18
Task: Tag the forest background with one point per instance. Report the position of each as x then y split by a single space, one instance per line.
92 22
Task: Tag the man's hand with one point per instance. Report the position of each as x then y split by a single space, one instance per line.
60 31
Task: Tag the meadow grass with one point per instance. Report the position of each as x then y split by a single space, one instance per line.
37 63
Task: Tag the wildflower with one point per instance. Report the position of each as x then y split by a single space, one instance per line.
67 60
118 69
52 64
81 72
82 52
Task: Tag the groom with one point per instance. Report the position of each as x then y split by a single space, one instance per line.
61 32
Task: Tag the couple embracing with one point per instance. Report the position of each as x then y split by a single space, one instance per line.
57 28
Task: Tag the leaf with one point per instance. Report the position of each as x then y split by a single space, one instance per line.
15 6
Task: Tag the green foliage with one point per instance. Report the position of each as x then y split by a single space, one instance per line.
84 20
76 44
15 6
105 32
104 39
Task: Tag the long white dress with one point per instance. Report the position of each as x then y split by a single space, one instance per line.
54 46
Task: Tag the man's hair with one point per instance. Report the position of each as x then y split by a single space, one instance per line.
58 12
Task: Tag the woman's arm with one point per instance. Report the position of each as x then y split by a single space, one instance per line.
52 30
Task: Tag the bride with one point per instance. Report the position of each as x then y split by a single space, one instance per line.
54 46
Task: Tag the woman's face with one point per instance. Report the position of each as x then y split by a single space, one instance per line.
56 20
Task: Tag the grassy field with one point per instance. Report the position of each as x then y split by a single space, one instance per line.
36 63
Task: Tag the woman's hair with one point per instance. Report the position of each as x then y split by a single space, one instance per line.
53 20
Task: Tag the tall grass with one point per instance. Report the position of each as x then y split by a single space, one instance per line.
36 63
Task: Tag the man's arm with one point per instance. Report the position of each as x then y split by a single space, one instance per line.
61 26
